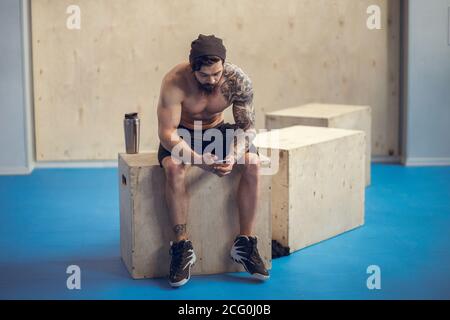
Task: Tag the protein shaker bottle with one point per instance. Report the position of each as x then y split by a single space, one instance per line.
131 126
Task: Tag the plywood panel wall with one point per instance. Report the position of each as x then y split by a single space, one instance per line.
296 51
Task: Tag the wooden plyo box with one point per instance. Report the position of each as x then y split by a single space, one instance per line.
213 221
327 115
318 190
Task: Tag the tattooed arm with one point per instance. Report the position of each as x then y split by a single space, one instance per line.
239 91
244 116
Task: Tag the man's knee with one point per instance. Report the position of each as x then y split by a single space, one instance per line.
173 169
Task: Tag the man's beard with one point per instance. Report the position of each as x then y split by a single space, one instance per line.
206 88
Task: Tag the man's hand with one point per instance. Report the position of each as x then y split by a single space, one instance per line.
223 169
219 169
207 162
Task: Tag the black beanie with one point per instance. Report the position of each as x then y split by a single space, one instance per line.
207 45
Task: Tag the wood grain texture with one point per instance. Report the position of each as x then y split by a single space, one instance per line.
213 220
318 191
295 51
327 115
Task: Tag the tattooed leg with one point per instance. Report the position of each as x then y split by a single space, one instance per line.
180 231
177 198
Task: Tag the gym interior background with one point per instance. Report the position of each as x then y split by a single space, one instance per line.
64 91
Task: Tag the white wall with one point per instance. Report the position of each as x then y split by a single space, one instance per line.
16 147
427 95
427 104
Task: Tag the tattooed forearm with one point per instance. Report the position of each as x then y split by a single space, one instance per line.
244 115
180 229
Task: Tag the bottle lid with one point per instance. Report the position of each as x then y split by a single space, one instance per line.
133 115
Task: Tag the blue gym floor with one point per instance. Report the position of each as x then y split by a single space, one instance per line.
60 217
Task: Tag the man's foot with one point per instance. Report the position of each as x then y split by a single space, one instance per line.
245 252
183 258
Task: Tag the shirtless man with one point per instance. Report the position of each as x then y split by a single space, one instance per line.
200 91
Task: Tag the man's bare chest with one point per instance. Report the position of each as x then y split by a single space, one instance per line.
200 104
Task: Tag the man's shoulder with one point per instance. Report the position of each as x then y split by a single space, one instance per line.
233 71
176 74
175 78
238 87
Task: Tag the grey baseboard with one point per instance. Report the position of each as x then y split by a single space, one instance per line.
414 162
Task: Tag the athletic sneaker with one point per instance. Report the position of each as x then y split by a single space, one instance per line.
183 258
245 252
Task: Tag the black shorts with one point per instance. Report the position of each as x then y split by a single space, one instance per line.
222 127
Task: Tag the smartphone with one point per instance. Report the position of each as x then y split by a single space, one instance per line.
221 162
